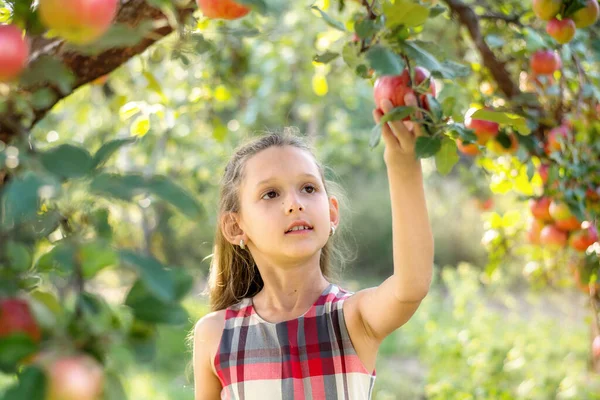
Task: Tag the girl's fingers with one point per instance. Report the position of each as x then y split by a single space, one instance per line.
411 100
388 136
402 134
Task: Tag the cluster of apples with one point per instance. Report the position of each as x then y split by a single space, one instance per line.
563 27
71 376
552 224
77 21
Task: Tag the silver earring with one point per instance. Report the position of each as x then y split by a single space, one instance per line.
332 231
242 245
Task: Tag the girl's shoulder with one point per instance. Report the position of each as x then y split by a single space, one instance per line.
207 334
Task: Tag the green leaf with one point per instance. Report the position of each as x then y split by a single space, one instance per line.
424 59
435 107
533 41
384 61
95 256
436 10
397 113
108 149
48 70
67 161
156 278
516 121
13 349
326 57
405 12
113 388
148 308
427 146
365 28
330 21
447 157
351 54
19 202
31 386
166 189
18 256
61 258
123 187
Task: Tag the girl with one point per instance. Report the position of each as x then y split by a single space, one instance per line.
280 329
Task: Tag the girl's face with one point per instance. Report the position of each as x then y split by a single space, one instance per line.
282 185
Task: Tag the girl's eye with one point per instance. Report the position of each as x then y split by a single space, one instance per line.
268 195
311 187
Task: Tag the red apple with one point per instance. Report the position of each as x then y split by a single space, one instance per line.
553 237
568 224
14 54
72 377
582 239
546 9
540 208
485 204
554 138
562 30
545 62
596 347
484 130
467 149
222 9
78 21
588 15
15 317
395 87
534 230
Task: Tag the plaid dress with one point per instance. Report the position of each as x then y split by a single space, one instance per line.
310 357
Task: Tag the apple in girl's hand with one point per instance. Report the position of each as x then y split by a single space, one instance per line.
396 87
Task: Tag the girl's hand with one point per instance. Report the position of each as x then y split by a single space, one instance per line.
399 136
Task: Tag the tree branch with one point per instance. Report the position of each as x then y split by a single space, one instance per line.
88 68
470 20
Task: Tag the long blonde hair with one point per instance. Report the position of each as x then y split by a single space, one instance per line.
233 272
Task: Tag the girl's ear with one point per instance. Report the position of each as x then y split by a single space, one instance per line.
230 228
334 210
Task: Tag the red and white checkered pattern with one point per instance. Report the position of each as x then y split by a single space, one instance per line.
310 357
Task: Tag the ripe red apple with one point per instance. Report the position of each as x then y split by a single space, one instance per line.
14 54
395 87
582 239
534 230
553 237
546 9
15 317
72 377
588 15
484 204
568 224
222 9
484 130
545 62
467 149
555 136
540 208
596 347
562 30
78 21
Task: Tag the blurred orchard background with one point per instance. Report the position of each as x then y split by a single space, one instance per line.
113 137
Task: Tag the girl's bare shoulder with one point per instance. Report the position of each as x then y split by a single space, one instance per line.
207 333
